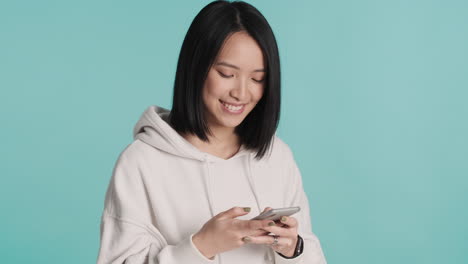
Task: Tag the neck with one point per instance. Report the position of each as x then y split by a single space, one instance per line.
223 136
223 143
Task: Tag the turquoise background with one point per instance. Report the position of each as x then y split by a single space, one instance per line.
374 108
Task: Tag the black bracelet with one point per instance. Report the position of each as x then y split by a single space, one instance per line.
298 250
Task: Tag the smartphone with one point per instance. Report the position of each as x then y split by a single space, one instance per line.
277 213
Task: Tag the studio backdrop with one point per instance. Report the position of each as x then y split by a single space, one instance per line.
374 107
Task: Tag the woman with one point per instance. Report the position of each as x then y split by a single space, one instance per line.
185 189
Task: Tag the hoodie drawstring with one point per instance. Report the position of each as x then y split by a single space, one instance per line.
208 185
209 193
269 254
252 184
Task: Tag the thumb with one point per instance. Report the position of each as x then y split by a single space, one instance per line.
234 212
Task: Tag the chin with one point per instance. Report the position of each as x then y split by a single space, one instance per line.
230 123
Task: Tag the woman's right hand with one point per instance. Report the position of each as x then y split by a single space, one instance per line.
223 232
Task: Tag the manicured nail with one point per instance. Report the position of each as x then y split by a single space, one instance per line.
246 209
271 224
284 219
246 239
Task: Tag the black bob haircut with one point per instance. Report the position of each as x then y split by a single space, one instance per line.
205 37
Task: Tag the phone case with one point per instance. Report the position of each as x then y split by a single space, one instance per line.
277 213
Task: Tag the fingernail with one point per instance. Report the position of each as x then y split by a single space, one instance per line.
246 209
246 239
284 218
271 224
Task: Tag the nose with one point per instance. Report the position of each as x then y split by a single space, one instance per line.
240 92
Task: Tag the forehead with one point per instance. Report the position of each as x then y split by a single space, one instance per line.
241 50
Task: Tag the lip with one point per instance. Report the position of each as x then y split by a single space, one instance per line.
231 103
232 112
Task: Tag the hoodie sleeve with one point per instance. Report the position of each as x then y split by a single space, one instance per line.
126 233
296 196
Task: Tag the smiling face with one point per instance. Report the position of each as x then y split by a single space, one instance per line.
235 82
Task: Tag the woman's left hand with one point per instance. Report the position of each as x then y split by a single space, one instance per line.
285 230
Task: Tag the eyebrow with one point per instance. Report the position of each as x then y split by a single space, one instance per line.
235 67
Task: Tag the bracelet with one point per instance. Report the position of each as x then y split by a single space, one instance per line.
298 250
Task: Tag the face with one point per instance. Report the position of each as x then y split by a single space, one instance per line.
235 82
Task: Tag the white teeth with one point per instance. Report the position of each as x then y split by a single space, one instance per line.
231 107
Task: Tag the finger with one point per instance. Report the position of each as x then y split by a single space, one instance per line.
280 231
252 225
268 240
258 232
234 212
289 221
267 209
252 230
278 223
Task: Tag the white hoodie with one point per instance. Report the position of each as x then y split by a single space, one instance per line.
163 189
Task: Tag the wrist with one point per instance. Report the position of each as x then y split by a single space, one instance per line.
198 241
290 253
299 247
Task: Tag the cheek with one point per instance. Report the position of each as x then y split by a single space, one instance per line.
214 87
257 94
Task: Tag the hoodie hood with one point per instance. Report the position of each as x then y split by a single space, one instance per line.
153 128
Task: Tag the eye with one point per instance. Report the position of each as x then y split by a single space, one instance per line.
258 81
224 75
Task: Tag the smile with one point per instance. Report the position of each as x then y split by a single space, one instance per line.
232 109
